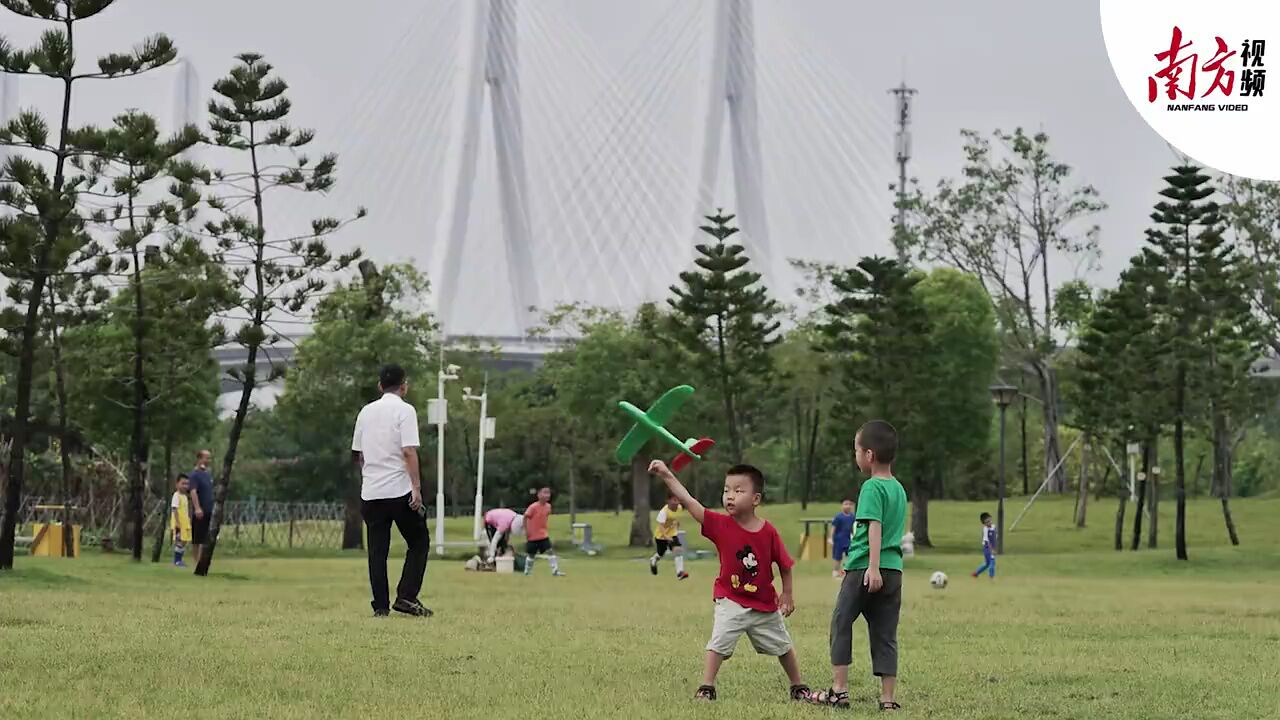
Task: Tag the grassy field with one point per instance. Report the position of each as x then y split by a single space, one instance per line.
1070 629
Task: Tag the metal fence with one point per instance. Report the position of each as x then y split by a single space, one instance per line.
245 524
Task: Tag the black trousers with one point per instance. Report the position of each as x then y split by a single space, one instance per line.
378 516
881 611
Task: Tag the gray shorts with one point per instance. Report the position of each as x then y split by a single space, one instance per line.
881 611
766 631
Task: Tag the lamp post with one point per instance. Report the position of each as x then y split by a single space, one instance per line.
1003 395
486 433
438 414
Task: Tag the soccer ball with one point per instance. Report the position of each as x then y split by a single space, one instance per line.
938 580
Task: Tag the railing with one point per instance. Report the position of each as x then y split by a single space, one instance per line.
245 524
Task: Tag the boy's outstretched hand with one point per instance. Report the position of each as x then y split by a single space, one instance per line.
691 505
659 468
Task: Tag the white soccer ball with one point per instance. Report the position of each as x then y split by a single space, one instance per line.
938 580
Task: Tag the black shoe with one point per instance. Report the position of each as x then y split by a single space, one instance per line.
653 566
381 613
411 607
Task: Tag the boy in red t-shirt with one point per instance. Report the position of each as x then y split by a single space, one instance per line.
744 596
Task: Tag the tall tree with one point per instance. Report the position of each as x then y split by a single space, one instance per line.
278 274
360 327
1013 211
1253 211
46 232
134 160
1119 385
1187 248
878 332
723 316
963 355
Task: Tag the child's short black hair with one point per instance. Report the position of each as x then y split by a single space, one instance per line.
751 471
984 516
880 438
183 476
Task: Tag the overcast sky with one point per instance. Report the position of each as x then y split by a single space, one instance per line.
370 78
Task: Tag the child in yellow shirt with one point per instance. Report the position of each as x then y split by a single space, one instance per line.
180 520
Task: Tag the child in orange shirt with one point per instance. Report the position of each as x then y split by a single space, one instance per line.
536 519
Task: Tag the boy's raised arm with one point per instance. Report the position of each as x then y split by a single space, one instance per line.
695 508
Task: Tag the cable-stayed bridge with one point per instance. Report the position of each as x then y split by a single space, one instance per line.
523 162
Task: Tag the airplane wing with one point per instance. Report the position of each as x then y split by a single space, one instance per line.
667 405
631 444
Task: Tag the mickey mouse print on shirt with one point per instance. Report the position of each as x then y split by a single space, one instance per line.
750 568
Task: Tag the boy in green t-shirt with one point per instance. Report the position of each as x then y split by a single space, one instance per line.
872 585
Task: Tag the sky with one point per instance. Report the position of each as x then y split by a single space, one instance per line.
614 96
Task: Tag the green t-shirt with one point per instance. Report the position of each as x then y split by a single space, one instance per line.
880 499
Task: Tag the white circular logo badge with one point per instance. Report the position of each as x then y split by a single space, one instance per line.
1197 72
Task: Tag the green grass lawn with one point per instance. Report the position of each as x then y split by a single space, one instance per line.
1070 629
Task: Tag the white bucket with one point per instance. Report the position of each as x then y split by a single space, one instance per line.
506 564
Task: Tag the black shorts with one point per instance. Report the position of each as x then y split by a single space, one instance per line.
200 530
502 541
662 546
533 547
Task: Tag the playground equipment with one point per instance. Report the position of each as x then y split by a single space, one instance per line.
814 546
48 537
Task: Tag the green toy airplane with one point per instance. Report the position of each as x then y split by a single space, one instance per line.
650 424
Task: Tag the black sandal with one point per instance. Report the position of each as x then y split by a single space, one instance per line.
889 706
830 698
800 693
705 692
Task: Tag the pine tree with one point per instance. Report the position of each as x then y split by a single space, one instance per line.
46 234
1120 393
723 316
878 334
279 274
1186 241
1233 338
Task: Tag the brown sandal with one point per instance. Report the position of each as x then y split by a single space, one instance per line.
889 706
705 692
830 698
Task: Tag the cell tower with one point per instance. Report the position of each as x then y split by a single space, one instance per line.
733 86
488 59
902 150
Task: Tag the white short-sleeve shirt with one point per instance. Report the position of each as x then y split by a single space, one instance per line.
384 428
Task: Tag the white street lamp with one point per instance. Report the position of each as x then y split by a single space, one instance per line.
487 428
438 415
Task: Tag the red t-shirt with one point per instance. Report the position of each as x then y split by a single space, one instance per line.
746 561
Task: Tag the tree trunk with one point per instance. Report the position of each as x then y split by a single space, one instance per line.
1231 524
1221 484
641 533
1153 502
229 460
1026 468
1082 489
573 489
920 512
138 450
1052 448
811 455
799 428
1124 500
158 546
1142 496
64 453
726 387
1180 493
352 522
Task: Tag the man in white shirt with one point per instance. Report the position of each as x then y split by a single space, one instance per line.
385 446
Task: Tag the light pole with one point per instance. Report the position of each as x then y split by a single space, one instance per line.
1003 395
486 433
438 414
